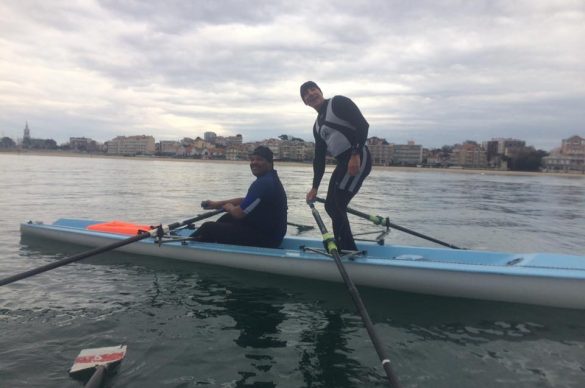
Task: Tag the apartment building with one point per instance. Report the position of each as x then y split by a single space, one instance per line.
381 151
470 155
409 154
131 145
570 157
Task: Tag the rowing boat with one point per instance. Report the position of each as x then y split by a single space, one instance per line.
533 278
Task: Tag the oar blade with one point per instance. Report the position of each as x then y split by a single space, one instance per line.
88 360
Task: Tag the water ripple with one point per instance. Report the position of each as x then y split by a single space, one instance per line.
194 325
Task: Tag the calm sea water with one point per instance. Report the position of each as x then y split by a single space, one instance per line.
189 325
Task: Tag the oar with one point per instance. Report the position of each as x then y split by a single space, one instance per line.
301 228
329 243
95 364
157 231
379 220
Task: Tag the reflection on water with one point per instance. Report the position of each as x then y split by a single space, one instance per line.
195 325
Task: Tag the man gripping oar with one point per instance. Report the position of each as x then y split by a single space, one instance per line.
341 130
260 218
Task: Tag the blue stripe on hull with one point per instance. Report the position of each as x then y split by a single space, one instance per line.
536 278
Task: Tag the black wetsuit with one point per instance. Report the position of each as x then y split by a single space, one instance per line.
341 129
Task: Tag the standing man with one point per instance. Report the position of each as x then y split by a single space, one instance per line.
341 130
260 218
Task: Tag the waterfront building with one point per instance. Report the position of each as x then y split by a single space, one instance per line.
83 144
491 149
213 152
436 158
200 144
570 157
557 162
297 150
381 151
229 140
7 143
38 144
309 148
237 152
209 136
500 150
469 155
409 154
508 146
573 146
170 148
186 141
131 145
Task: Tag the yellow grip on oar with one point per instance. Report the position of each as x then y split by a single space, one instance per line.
329 242
377 220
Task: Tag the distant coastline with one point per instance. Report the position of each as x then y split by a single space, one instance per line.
289 163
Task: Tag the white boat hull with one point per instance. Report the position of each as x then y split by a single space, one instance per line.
541 279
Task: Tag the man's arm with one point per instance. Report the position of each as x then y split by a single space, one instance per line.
231 206
208 204
235 210
259 191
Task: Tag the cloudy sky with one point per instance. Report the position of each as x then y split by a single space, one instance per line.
436 72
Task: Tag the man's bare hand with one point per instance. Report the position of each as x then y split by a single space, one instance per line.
311 195
353 167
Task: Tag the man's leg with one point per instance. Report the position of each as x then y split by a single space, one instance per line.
342 188
228 230
336 207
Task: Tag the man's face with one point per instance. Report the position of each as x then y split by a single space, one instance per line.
259 165
313 97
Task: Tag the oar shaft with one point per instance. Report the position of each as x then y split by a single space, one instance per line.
299 225
403 229
80 256
379 220
200 217
357 300
96 251
97 378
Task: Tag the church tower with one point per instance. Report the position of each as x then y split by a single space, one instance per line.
26 133
26 141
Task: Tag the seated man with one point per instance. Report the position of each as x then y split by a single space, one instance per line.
259 219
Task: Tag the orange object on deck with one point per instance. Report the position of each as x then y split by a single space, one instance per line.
119 227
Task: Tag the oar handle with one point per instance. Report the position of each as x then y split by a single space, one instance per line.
379 220
332 248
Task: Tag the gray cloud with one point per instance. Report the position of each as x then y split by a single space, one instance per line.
434 72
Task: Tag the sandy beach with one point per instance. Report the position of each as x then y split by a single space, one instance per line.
573 174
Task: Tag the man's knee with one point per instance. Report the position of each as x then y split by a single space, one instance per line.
205 231
330 207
